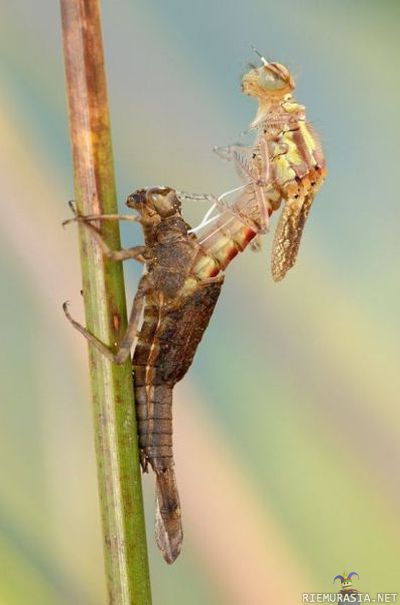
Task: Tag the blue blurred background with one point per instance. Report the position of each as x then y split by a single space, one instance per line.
292 402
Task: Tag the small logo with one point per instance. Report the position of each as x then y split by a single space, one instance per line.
347 582
349 594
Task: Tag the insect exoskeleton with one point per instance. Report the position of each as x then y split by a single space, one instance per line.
157 200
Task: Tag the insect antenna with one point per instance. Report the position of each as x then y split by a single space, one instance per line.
263 59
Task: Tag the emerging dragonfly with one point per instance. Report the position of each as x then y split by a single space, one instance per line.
285 164
177 305
185 271
177 295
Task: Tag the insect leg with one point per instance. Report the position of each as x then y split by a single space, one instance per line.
207 197
136 252
227 152
243 158
260 174
124 347
198 197
263 207
133 322
101 217
265 172
98 217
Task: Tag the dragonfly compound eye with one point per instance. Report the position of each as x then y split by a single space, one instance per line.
269 80
275 76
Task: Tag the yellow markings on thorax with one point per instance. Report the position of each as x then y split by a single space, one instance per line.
283 171
308 138
293 107
292 154
284 162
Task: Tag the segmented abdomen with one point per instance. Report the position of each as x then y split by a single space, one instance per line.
223 240
153 396
167 342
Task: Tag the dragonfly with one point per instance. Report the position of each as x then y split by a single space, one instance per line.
185 267
170 312
284 166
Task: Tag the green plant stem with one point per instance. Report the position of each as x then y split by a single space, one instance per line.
104 298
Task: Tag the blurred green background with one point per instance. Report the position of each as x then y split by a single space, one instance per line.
292 402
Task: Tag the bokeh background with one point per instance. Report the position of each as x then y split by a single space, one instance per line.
287 426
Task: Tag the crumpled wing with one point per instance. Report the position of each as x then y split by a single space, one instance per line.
288 234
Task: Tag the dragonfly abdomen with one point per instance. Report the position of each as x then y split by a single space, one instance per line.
223 240
153 396
154 417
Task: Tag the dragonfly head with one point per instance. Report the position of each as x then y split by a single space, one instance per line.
155 201
269 81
